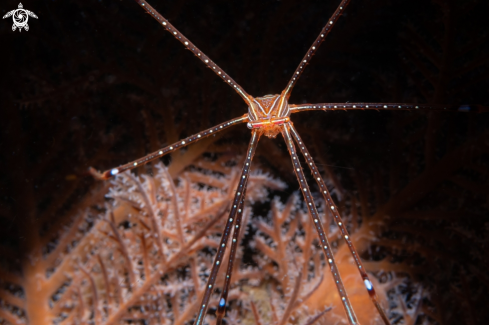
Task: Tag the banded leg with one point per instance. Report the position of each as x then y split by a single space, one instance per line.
323 240
387 106
337 218
221 309
255 136
195 50
163 151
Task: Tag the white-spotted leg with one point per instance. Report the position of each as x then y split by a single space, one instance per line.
166 150
196 137
221 308
323 240
315 45
255 136
195 50
387 107
337 218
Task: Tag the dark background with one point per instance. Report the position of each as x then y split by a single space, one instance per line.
99 83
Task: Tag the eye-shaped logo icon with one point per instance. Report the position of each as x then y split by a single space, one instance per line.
20 17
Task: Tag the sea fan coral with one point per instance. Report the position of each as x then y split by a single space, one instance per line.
140 256
81 91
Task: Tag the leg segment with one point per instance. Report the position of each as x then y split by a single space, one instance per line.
312 50
337 218
387 107
163 151
229 224
323 240
195 50
229 273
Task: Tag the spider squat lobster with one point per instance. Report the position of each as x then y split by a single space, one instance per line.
270 115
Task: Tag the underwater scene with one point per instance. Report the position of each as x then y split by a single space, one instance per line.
346 183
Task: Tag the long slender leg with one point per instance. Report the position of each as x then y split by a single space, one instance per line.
337 218
324 242
195 50
255 136
386 106
163 151
315 45
229 273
